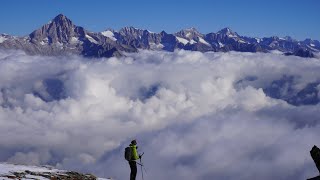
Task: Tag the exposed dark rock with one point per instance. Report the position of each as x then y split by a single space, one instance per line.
315 154
315 178
304 53
148 92
51 89
169 42
60 29
283 89
301 52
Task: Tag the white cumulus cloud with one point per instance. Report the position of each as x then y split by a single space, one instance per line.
195 115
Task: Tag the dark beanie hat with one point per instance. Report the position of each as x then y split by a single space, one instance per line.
134 142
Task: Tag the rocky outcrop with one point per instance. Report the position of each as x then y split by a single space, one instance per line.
301 52
71 175
14 171
315 154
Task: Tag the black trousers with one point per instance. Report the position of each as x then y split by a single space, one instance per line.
133 167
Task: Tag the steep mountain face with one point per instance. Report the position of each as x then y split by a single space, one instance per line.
60 30
189 34
138 38
227 40
192 39
169 42
60 36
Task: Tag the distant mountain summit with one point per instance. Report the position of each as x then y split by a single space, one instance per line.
189 34
59 30
227 32
60 36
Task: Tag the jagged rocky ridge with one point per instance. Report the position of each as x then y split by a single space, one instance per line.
60 36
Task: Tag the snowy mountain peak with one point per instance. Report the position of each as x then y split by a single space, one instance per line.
110 29
228 32
191 29
2 38
312 43
110 34
189 33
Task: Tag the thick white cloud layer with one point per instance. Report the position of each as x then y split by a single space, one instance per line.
195 115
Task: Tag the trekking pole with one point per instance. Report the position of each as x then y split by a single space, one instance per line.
144 168
141 165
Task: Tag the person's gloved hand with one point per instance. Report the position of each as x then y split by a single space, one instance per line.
140 156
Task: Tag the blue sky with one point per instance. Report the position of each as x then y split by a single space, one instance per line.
296 18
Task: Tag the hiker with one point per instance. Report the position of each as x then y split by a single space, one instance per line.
132 160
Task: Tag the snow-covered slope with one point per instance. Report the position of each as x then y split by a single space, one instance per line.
23 172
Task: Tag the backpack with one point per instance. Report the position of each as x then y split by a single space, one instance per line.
128 153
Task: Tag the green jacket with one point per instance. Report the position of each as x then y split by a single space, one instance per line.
135 155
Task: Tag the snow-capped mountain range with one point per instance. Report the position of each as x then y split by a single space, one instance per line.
60 36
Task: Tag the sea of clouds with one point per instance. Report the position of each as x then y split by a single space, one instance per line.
195 115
